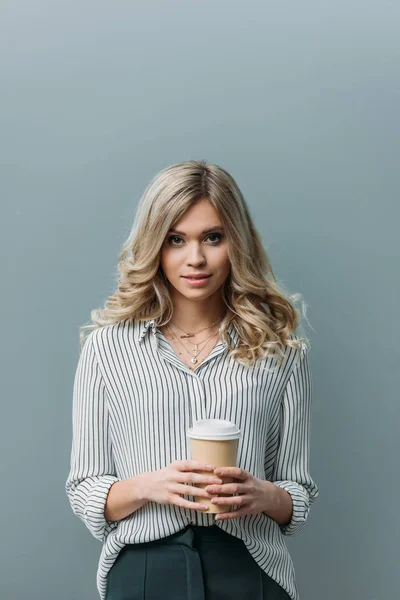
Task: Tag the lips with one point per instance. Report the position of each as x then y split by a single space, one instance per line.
194 277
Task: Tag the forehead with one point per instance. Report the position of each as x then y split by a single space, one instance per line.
199 216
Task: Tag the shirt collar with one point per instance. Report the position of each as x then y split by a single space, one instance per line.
150 325
145 327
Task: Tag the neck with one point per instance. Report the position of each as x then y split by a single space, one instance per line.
192 316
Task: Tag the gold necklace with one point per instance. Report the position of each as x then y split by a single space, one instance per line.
194 360
187 334
196 345
197 348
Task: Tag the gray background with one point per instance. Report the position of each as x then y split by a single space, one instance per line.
299 101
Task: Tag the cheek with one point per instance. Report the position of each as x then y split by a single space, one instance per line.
224 262
164 259
168 259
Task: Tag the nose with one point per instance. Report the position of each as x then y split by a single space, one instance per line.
195 255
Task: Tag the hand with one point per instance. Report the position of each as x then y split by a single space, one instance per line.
168 485
254 495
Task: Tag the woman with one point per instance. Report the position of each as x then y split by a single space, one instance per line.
198 328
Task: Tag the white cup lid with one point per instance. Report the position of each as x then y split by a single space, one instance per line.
214 429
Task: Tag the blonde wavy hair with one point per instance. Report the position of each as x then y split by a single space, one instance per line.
263 314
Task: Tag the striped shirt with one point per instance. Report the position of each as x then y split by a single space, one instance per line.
133 401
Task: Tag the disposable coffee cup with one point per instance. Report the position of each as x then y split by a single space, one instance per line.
215 442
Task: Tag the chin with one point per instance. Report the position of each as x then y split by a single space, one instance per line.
186 291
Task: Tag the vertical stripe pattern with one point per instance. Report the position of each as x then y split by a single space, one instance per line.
134 399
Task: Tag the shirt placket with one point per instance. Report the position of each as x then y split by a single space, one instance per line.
195 383
195 386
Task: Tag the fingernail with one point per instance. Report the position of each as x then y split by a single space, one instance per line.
210 466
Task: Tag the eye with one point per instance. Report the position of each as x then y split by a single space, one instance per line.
175 240
171 239
217 235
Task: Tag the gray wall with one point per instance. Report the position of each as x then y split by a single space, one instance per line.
299 101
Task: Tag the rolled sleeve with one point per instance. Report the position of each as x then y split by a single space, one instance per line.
292 464
92 470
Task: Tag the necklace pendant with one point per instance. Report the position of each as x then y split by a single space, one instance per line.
187 335
194 361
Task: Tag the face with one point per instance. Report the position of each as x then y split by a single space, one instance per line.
196 245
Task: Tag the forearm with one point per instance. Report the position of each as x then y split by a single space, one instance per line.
124 498
280 505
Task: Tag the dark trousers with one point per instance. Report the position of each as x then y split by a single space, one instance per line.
197 563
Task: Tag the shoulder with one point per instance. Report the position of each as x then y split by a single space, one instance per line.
113 338
295 355
305 346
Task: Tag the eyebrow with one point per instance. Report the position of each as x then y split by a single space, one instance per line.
210 230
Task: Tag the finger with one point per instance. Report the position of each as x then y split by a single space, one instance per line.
191 490
244 510
231 472
191 465
231 500
195 478
227 488
179 501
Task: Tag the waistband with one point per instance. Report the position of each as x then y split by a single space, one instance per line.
192 533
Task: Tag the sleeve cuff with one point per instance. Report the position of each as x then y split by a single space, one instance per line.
89 502
301 506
